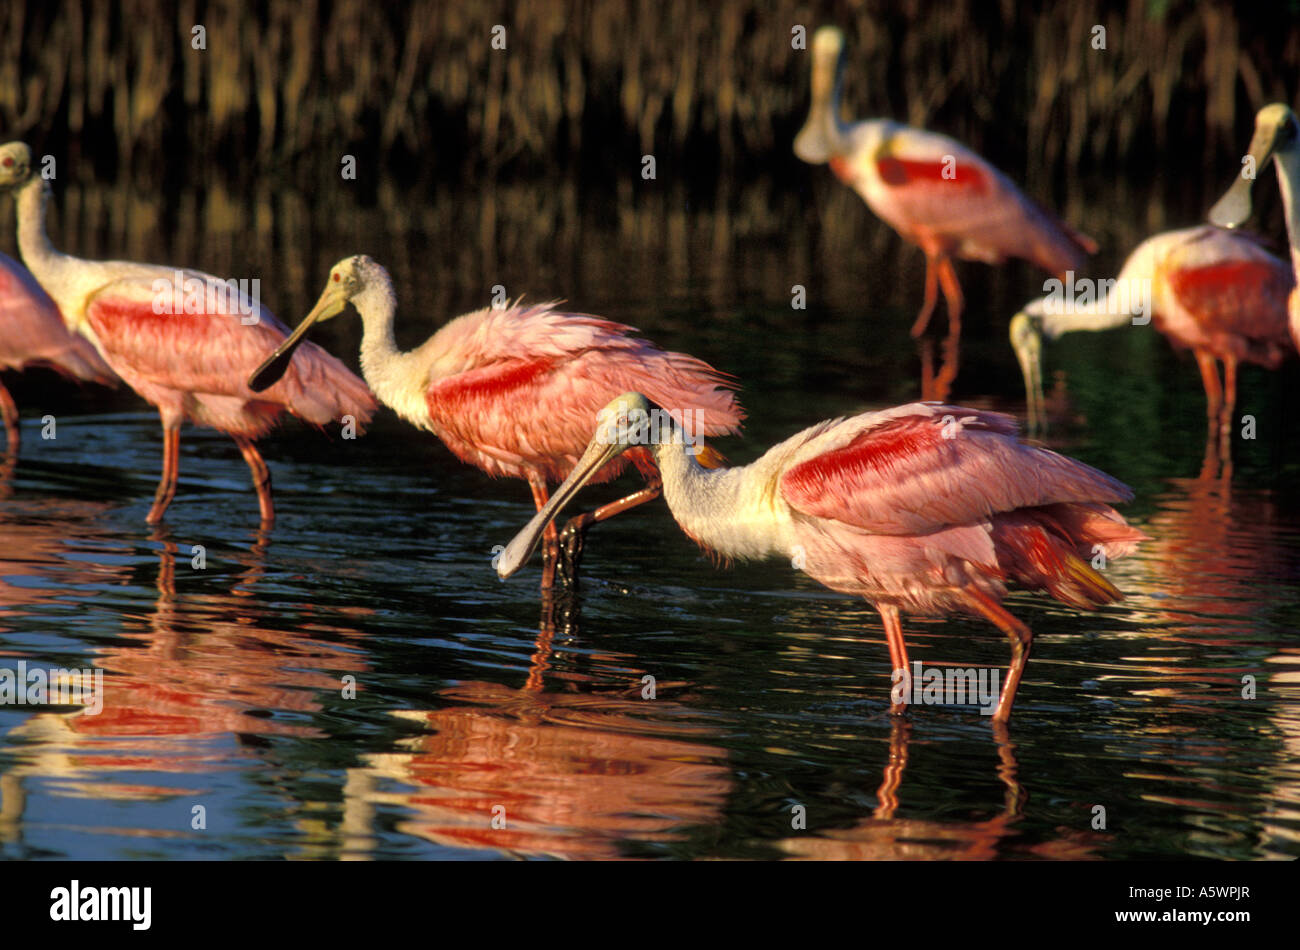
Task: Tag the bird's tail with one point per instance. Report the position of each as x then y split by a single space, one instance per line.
1063 549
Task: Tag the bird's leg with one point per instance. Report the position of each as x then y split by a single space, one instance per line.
1229 406
925 347
1213 392
574 533
171 471
931 295
550 536
952 294
261 478
897 655
1021 638
10 413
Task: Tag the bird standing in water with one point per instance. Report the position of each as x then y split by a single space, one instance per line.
513 390
935 192
189 364
926 509
1219 293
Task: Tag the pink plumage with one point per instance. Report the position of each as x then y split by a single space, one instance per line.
194 365
530 379
32 333
919 505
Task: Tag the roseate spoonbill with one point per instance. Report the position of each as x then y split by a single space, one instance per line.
923 508
934 191
1277 132
190 365
32 334
513 391
1218 293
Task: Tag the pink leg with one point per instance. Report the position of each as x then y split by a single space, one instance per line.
550 536
1229 405
897 648
261 478
10 414
1213 393
1021 639
931 296
171 471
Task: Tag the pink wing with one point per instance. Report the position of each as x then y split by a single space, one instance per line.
938 192
536 407
212 354
1230 284
923 468
32 331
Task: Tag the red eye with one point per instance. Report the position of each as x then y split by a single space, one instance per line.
336 278
9 162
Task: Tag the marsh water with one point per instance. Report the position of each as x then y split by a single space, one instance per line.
357 684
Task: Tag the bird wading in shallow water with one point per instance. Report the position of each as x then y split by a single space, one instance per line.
32 334
935 192
1219 293
513 390
924 509
189 364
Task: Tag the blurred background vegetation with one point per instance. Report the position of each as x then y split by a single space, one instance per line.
585 87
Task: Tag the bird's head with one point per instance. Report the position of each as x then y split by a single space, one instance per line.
1276 133
820 138
626 421
349 279
1027 341
15 164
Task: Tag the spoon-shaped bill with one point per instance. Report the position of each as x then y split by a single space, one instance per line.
1233 209
599 453
269 373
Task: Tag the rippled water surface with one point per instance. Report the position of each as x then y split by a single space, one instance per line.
226 687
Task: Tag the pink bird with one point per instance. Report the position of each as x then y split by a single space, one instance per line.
1218 293
931 189
32 334
925 508
513 391
184 340
1276 138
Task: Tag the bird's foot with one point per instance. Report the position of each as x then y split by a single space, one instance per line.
571 542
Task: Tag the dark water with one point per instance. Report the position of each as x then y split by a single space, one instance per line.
225 687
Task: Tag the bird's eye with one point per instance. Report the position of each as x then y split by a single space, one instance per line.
9 162
337 278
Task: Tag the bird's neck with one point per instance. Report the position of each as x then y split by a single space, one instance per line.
1288 176
1095 304
731 511
382 364
33 243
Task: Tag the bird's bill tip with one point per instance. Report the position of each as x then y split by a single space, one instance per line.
1233 209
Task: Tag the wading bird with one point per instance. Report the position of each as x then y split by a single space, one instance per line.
924 509
934 191
1218 293
1277 136
32 334
190 364
513 391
